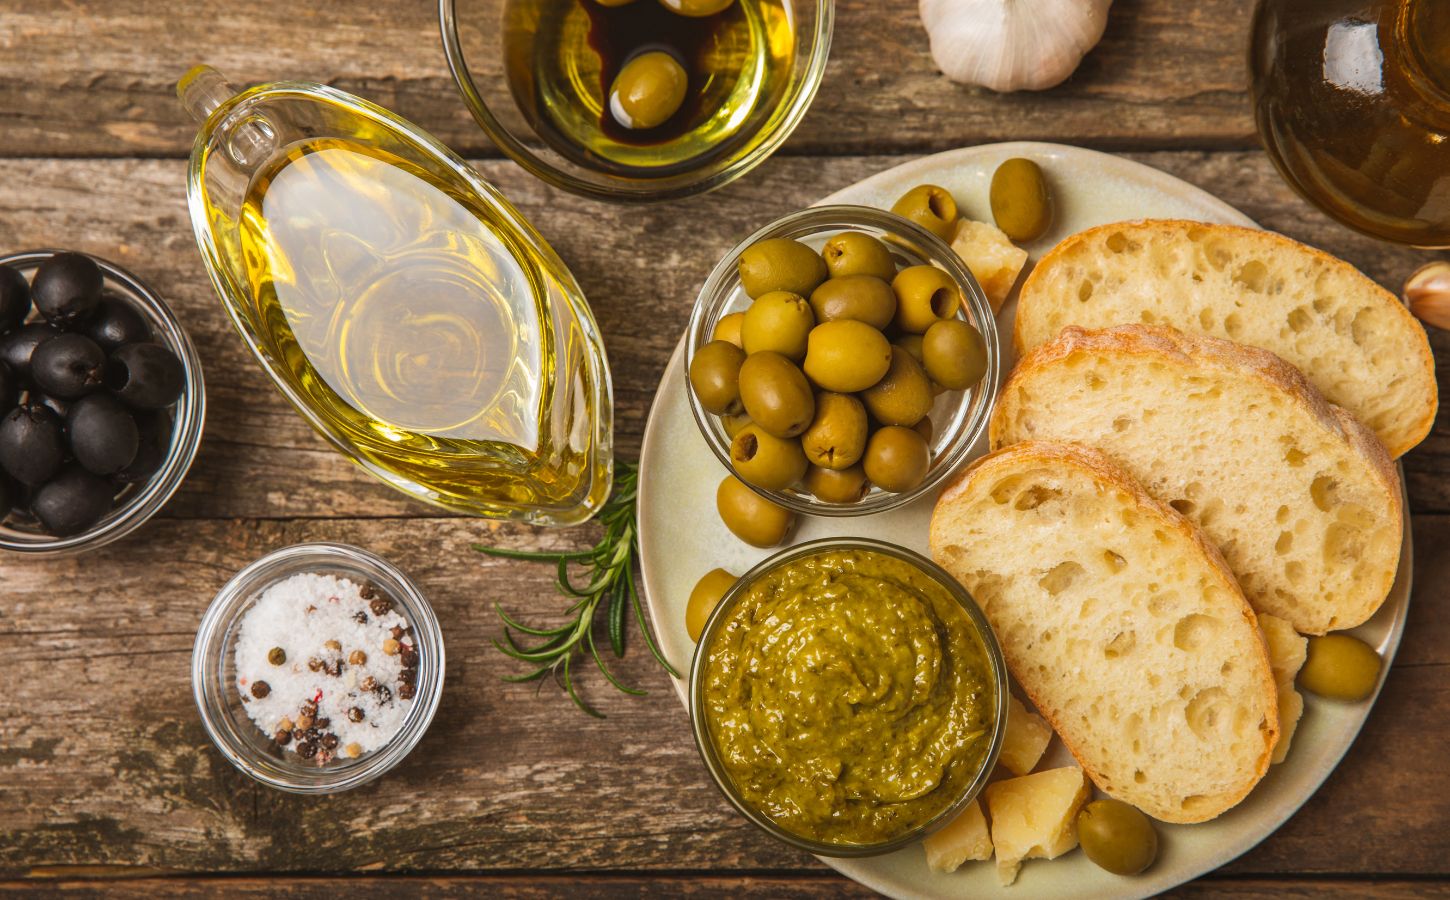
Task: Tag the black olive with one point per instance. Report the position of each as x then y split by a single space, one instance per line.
68 366
18 346
32 443
72 501
146 376
103 436
67 289
9 388
14 298
58 406
155 440
115 323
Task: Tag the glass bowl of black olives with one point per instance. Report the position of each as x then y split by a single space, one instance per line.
101 402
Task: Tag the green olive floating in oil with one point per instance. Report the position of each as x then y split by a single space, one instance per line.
648 90
1021 204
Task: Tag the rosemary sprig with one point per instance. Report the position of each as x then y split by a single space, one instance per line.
608 593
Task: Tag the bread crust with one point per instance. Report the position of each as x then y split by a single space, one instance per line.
1201 351
1276 243
1102 470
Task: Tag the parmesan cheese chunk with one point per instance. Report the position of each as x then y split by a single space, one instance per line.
964 838
1035 817
1028 735
1287 652
992 258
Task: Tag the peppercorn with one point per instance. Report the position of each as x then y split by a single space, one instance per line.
333 668
334 646
357 657
353 750
406 691
369 683
325 756
368 592
390 647
408 676
282 737
360 617
314 664
306 749
409 656
261 689
299 734
329 741
384 695
397 631
380 606
322 722
355 714
276 656
308 708
304 722
313 734
285 724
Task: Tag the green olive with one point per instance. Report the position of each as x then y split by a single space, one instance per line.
846 356
751 517
911 343
903 395
696 8
931 207
864 298
1117 837
778 321
733 424
897 459
1340 667
1021 205
648 90
836 437
765 460
854 253
837 485
728 329
715 377
704 598
780 264
924 429
954 355
776 395
924 295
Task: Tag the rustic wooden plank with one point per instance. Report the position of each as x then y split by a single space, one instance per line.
104 761
704 885
641 269
97 79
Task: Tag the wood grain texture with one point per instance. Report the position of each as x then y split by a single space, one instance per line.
106 763
641 269
97 77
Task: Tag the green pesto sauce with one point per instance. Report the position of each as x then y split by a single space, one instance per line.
849 697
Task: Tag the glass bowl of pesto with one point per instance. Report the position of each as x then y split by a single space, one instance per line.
957 421
848 697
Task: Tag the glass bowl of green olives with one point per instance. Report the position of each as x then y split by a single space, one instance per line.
104 403
842 361
637 100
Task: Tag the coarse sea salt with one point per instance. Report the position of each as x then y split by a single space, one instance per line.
300 614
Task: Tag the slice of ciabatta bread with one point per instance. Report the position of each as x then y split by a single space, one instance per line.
1121 622
1302 500
1354 340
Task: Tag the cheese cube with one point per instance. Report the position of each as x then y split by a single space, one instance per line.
992 258
1287 652
1035 816
1027 736
964 838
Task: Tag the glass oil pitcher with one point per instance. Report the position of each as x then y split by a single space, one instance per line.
407 311
1352 99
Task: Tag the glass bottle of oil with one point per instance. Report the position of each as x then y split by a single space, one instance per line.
401 304
1352 99
562 58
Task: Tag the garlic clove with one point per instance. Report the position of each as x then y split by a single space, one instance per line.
1010 45
1427 293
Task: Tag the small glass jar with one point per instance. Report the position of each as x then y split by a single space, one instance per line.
705 742
213 670
137 503
959 417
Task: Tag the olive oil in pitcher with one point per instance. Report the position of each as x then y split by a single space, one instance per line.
414 319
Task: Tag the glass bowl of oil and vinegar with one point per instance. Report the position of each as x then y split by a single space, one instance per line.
407 311
551 83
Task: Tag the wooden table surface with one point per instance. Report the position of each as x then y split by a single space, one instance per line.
105 771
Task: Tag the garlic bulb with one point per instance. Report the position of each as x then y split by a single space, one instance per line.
1010 45
1427 293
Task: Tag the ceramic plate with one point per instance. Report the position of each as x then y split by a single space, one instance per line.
681 538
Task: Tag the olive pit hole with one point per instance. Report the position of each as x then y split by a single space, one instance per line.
943 302
746 446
